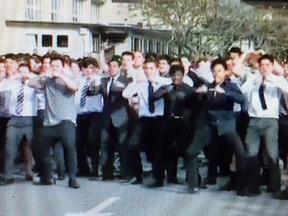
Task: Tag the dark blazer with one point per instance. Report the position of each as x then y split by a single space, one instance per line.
178 100
219 107
115 105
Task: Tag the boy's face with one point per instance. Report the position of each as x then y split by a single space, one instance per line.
163 66
219 74
75 68
266 67
138 59
24 70
11 66
150 69
235 57
127 61
114 68
90 70
46 64
177 77
57 65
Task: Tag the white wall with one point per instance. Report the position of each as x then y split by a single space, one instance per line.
77 44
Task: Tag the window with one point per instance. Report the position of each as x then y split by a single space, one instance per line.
56 10
31 40
95 13
135 44
77 6
158 47
47 40
96 42
33 10
150 46
62 41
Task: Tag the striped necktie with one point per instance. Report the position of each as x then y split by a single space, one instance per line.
84 92
20 100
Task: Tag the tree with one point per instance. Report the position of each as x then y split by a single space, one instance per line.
201 27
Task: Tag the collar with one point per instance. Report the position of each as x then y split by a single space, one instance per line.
115 77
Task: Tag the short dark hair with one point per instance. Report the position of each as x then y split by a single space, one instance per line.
175 59
11 56
150 55
164 57
46 56
219 61
116 58
266 56
25 65
176 68
128 53
90 61
151 60
235 50
57 57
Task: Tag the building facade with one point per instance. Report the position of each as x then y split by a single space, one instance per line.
74 27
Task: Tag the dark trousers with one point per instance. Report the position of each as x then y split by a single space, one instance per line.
242 121
145 136
88 141
3 128
283 139
113 138
174 143
233 142
199 142
63 132
134 163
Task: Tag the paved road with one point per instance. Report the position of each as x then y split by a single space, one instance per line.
25 199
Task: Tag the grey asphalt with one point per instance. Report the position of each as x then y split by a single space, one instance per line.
25 199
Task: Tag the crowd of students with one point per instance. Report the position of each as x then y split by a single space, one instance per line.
163 106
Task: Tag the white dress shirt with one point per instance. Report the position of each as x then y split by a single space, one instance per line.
30 103
239 81
274 86
141 89
93 103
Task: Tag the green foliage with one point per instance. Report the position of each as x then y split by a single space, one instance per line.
212 26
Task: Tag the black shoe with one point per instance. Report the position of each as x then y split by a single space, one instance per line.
61 175
47 181
3 181
281 195
73 183
210 181
133 181
154 184
108 178
225 187
148 173
173 181
28 177
248 192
